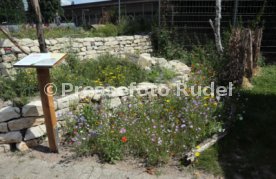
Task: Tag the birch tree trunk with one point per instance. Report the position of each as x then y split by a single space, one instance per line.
216 27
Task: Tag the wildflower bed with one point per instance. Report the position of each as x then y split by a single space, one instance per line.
155 129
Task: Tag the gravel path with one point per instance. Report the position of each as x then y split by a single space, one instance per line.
38 164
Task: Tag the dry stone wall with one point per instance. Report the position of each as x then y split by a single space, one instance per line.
24 126
84 48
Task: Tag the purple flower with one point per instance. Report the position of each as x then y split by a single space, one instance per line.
93 134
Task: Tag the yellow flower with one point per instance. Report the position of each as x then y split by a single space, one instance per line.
205 105
168 101
198 147
215 104
197 154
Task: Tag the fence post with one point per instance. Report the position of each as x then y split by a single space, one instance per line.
159 13
236 5
119 10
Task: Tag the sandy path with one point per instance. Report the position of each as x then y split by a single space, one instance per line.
37 164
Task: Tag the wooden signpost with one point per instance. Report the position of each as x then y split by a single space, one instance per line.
43 62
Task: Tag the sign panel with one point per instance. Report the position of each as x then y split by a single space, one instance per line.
40 60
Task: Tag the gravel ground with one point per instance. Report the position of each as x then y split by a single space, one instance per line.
39 164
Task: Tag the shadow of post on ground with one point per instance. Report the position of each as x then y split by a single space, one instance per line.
249 150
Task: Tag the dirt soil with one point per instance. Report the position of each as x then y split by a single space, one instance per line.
38 163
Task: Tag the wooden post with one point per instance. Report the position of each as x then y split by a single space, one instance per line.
39 28
43 76
12 40
43 62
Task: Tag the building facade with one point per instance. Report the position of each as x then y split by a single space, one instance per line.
106 11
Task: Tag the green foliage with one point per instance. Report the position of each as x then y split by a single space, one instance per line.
132 26
127 26
19 89
164 45
105 31
49 9
107 70
12 11
158 74
208 161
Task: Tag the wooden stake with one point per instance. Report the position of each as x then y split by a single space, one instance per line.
12 40
39 28
43 76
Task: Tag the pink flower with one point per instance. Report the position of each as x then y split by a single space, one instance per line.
122 131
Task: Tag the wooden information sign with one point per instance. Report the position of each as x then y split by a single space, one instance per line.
43 62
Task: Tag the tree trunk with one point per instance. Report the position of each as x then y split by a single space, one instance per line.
257 40
216 27
247 56
244 51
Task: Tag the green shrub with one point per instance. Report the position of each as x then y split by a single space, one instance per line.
132 26
105 31
166 47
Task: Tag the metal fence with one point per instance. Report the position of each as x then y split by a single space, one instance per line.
192 17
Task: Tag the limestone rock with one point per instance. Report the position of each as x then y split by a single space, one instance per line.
35 49
53 41
22 147
32 109
112 103
160 61
121 91
86 93
2 51
97 97
27 49
10 137
5 65
6 43
65 102
145 60
25 123
144 89
180 67
3 127
25 42
9 57
35 132
8 113
5 148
